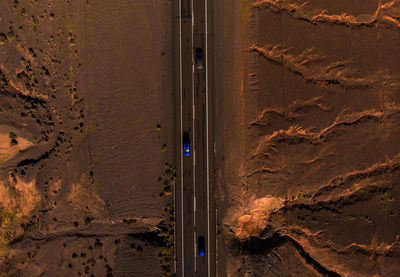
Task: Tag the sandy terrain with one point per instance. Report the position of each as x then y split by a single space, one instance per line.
87 137
310 177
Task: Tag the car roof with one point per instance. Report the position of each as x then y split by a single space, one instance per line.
201 239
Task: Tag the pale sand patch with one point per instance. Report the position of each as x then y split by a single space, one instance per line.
28 196
7 151
21 201
4 195
82 196
252 219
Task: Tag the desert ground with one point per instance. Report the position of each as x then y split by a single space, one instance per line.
308 180
87 138
307 129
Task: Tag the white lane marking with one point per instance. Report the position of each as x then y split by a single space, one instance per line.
181 120
208 163
194 144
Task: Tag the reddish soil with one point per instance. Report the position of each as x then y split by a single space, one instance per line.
87 138
309 177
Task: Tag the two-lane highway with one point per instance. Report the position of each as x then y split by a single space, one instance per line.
194 199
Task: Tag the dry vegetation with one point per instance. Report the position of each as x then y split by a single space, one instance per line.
55 217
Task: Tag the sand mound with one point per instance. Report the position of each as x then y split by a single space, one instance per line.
251 220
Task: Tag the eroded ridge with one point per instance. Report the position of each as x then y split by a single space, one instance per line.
293 218
318 183
299 217
311 67
387 14
295 110
297 134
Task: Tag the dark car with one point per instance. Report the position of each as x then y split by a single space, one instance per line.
199 58
186 144
201 246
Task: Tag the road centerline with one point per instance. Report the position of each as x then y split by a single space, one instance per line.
181 134
207 140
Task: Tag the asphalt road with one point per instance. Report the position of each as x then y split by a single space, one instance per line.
194 199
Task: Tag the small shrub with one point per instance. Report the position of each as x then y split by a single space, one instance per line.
129 221
98 245
87 220
13 138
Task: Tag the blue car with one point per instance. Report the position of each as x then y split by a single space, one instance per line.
186 144
201 246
